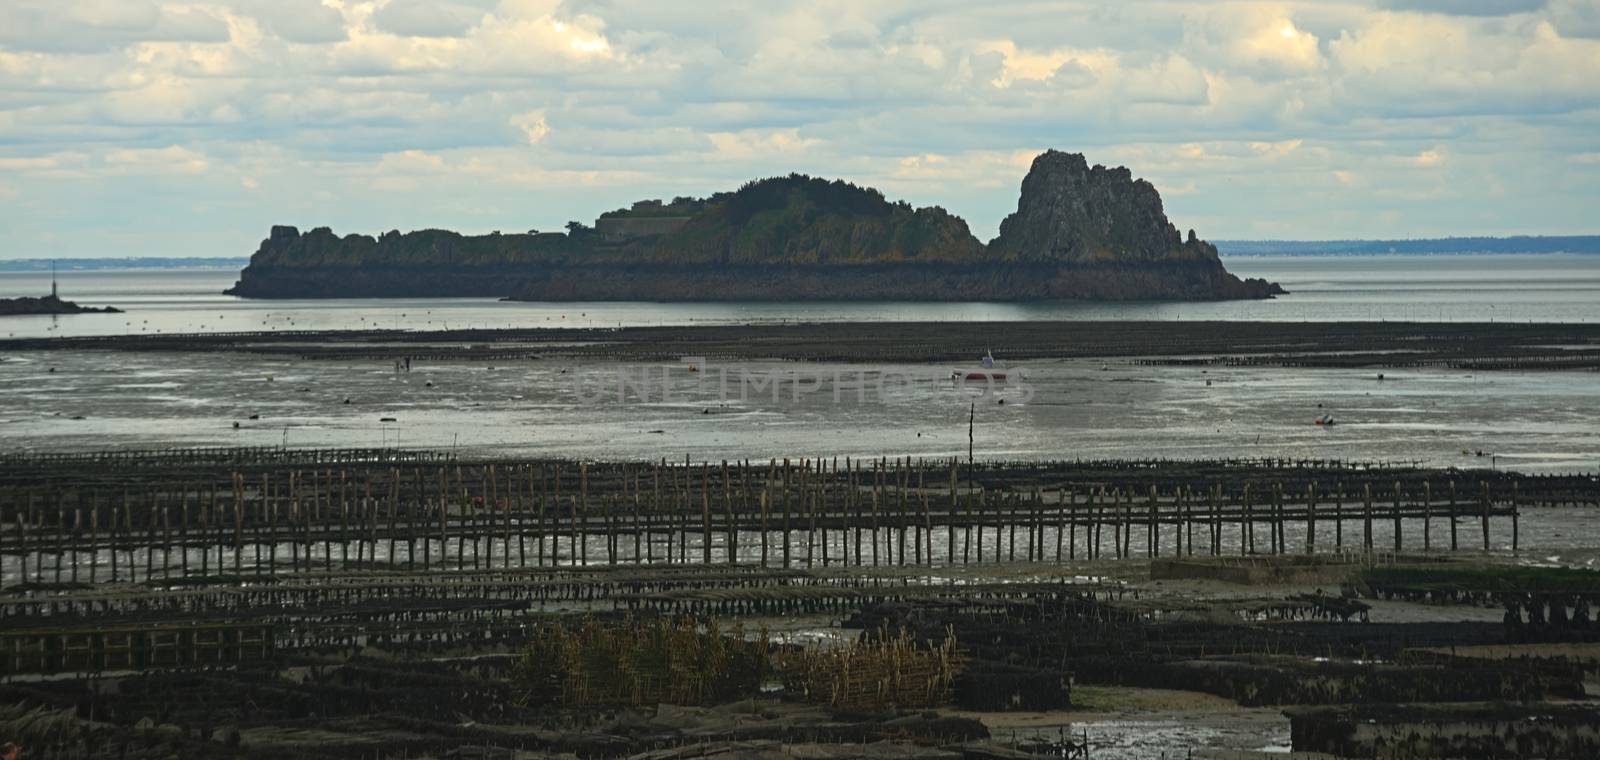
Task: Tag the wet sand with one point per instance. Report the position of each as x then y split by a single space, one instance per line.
1053 409
1484 345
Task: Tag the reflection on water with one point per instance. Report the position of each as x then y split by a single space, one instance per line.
1550 288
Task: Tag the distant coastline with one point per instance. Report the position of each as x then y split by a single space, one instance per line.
1473 246
123 264
1516 244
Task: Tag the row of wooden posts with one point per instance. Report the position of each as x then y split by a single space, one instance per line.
513 515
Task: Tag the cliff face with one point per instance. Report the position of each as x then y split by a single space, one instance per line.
1087 218
1078 233
1069 212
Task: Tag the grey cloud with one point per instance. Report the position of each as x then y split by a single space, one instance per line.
302 21
425 18
1467 7
1071 75
1576 18
49 26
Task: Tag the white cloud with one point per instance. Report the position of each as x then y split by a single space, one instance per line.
750 144
1254 39
171 159
532 124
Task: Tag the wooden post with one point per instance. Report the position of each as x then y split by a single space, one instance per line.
1366 507
1214 496
1398 540
1484 500
877 481
580 519
950 518
1247 527
238 523
1427 515
1453 509
166 542
684 487
810 493
444 518
1096 515
1311 517
1152 536
183 535
902 476
1186 506
1515 519
766 494
786 514
727 514
1061 518
94 542
77 530
540 557
1121 527
853 507
927 518
1278 544
22 540
272 527
1338 518
826 473
370 512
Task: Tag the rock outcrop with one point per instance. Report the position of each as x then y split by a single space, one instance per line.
15 307
1078 233
1104 225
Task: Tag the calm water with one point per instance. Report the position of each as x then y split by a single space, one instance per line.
1550 288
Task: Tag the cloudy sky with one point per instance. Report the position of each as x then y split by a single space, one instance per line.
167 127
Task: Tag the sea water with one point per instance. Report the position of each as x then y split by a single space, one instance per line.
1515 288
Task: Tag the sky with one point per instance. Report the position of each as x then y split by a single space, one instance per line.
172 128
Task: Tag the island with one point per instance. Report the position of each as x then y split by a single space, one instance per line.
1079 232
16 307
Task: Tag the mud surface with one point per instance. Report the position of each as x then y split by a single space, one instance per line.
1533 421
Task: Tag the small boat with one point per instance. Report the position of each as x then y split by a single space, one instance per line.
1325 420
987 373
